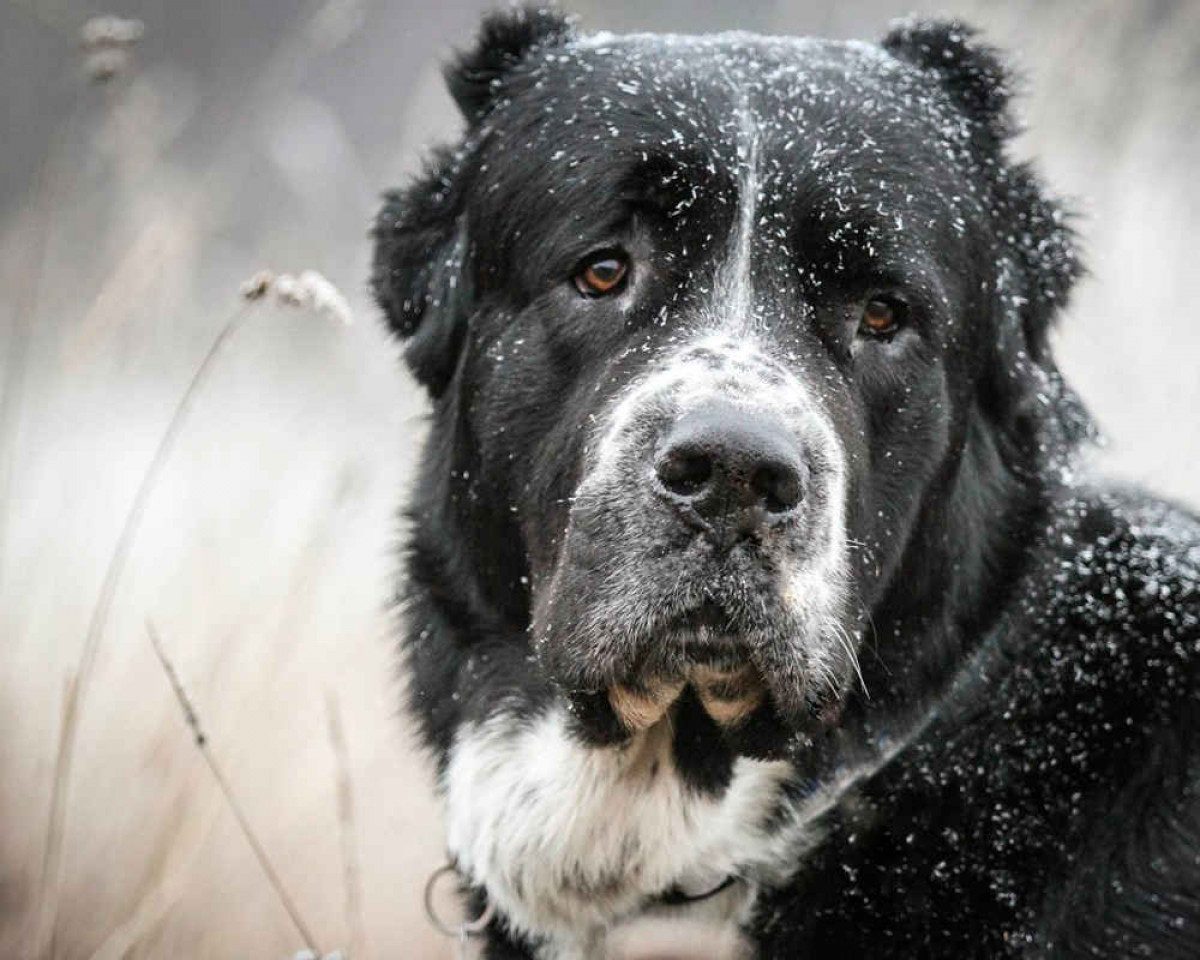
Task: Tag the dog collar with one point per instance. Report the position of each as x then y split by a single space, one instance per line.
464 930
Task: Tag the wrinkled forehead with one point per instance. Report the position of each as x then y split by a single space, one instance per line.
827 139
810 116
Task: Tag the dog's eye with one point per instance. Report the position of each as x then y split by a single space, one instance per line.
882 316
602 274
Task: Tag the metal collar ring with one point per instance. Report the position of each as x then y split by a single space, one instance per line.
467 928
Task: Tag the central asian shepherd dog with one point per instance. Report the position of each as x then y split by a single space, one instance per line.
751 576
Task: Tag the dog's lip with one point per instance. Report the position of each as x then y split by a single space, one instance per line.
728 691
709 617
707 635
711 656
721 652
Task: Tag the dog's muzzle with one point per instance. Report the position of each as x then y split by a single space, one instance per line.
704 550
732 475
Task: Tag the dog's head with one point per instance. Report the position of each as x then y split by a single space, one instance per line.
708 322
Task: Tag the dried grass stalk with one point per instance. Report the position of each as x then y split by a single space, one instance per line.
352 869
70 708
193 721
52 859
310 290
107 42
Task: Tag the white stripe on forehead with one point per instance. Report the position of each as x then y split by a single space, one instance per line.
734 306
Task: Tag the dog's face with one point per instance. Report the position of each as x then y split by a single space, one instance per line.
707 323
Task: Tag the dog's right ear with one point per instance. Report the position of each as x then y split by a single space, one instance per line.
421 275
506 38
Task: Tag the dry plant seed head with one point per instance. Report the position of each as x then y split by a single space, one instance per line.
257 286
108 30
309 290
107 43
317 292
106 63
289 292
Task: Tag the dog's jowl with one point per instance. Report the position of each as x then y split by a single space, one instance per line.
750 580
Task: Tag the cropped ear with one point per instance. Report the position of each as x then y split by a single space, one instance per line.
972 73
1038 236
419 275
1037 258
506 38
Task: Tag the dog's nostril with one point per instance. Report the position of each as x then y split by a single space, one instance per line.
780 486
685 473
731 471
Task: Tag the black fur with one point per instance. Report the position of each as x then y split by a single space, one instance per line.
476 78
1049 631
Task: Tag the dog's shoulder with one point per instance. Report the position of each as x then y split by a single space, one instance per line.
1053 791
1123 617
1096 662
1115 587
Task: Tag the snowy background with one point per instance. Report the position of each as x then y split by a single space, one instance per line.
260 134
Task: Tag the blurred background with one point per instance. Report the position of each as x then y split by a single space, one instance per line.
238 136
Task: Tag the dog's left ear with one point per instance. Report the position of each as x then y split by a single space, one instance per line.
972 73
1038 256
421 275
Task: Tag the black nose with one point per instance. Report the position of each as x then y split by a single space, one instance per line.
732 470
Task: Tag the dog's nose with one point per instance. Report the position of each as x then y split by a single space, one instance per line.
732 469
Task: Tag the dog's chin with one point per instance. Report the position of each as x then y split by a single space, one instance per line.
753 678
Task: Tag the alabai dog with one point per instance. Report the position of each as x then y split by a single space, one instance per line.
749 578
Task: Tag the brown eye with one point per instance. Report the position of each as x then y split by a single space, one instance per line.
602 275
882 316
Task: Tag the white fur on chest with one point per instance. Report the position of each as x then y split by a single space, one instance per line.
570 841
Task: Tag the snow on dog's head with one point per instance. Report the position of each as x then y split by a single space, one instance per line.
707 322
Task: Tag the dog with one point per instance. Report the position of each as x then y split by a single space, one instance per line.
751 580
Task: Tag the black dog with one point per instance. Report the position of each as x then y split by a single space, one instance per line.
749 579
